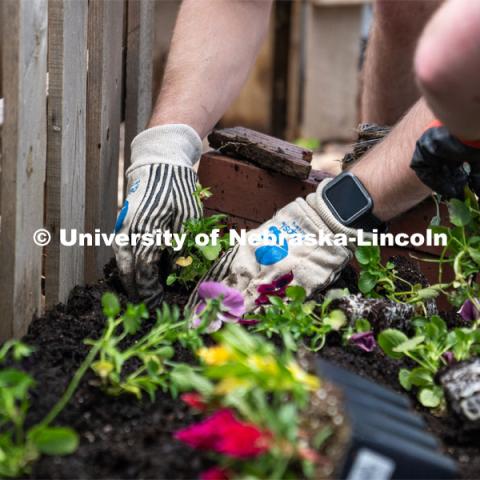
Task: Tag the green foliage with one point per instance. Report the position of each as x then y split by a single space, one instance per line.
294 318
426 349
377 280
196 260
19 447
144 365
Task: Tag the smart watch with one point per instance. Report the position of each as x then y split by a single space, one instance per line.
350 203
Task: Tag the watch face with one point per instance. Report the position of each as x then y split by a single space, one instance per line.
347 199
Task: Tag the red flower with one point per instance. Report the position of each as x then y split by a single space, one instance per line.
214 473
275 289
194 400
223 433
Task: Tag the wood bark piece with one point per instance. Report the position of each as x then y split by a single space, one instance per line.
263 150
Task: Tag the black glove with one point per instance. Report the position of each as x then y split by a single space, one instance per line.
439 162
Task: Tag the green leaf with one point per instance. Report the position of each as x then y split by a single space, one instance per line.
421 377
475 255
409 344
211 252
171 279
276 301
296 293
110 305
16 381
367 254
132 318
336 319
404 379
459 213
430 397
390 339
366 282
362 325
54 440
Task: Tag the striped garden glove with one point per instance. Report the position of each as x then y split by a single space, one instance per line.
160 197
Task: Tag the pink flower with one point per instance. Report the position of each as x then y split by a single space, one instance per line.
231 309
224 433
215 473
194 400
468 311
275 289
364 341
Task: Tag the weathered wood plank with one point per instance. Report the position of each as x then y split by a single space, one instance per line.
139 58
332 54
66 136
23 162
104 101
263 150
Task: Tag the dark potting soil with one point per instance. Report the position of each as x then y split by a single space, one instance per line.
121 437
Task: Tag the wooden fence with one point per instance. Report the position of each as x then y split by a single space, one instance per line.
71 70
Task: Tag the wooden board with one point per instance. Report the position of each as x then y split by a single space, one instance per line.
23 162
332 53
66 136
139 58
263 150
104 100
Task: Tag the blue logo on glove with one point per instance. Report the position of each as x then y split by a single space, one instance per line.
134 186
271 254
121 217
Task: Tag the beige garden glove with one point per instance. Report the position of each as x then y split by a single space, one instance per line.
160 197
245 267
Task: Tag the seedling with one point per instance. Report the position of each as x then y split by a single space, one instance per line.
20 447
431 348
294 318
145 365
196 259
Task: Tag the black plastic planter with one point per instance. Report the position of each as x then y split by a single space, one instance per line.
388 439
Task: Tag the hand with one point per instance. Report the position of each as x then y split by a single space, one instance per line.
160 197
439 160
246 267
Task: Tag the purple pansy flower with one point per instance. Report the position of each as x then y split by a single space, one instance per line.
232 304
364 341
449 357
275 289
468 311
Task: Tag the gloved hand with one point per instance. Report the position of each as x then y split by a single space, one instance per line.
439 160
161 184
245 267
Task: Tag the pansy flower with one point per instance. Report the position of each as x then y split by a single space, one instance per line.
277 288
364 341
232 305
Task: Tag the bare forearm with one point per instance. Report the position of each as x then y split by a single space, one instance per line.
214 46
385 170
447 65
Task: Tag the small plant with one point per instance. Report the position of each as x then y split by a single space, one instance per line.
377 280
20 447
294 318
432 347
195 259
360 335
256 396
145 365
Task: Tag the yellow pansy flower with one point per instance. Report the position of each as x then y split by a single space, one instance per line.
311 382
214 355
